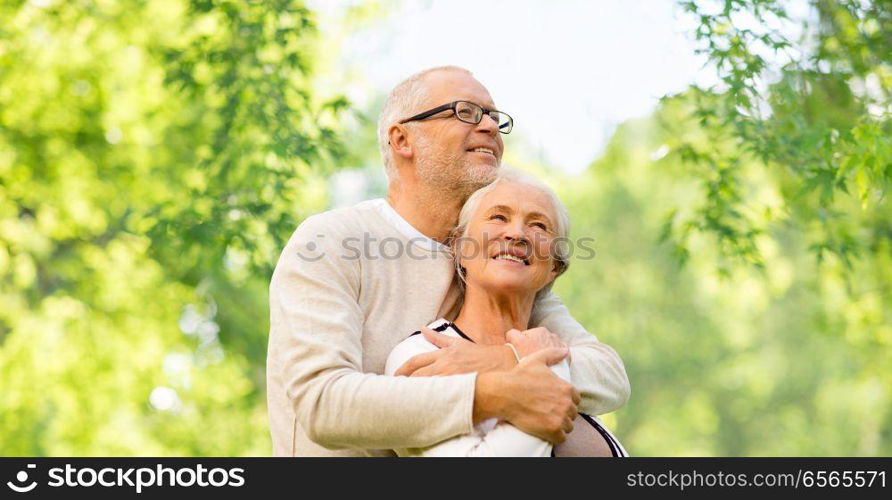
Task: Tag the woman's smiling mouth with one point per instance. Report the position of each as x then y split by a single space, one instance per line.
510 257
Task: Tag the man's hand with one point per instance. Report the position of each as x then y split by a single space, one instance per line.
533 340
530 396
456 356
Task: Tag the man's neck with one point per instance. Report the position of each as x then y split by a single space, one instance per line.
432 212
486 318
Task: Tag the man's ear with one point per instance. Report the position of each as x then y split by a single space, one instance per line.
399 141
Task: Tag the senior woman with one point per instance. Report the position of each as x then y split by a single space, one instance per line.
509 246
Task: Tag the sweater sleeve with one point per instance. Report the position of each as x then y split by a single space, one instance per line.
597 371
315 334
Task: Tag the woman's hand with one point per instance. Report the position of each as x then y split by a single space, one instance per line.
533 340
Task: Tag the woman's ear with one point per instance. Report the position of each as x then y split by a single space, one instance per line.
556 270
456 252
399 141
455 244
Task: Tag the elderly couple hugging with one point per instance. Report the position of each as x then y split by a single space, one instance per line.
469 249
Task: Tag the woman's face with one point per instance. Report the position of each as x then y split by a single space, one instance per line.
507 247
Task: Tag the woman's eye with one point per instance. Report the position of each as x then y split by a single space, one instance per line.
498 217
540 225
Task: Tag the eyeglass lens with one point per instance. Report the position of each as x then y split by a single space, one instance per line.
471 113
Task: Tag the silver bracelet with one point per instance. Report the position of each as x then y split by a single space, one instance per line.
514 350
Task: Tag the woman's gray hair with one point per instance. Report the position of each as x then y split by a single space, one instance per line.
560 247
403 101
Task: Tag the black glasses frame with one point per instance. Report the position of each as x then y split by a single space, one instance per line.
452 105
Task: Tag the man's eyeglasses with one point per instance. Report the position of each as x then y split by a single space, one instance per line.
468 112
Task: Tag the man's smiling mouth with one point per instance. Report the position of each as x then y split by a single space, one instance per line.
482 150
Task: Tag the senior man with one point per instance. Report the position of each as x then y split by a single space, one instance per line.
353 282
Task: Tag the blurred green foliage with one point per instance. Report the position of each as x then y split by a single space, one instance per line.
812 112
788 358
155 156
775 337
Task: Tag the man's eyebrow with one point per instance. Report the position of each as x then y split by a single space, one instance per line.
488 107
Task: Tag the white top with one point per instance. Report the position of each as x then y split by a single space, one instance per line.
489 438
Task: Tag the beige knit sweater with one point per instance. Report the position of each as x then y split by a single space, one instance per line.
349 286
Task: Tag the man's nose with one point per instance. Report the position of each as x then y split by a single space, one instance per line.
488 125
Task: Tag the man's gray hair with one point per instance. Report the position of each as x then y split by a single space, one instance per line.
560 247
404 100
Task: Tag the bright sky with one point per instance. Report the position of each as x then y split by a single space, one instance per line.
567 71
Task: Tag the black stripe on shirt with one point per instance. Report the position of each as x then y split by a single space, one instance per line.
458 331
614 447
445 326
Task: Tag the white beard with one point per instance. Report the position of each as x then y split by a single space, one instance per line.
449 171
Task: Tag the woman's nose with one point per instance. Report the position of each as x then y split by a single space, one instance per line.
514 231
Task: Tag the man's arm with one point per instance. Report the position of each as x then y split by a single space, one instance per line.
504 440
596 369
316 351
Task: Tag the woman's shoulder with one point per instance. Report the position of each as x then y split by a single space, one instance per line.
415 344
440 325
